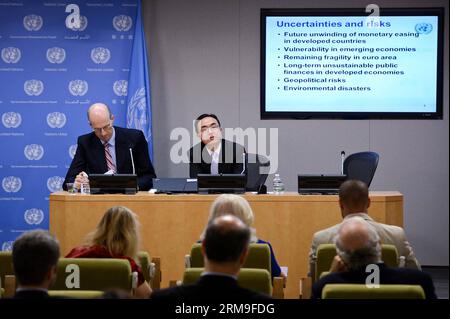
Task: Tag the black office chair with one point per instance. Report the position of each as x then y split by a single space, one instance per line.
257 170
361 166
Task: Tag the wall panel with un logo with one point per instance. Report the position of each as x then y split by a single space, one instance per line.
52 68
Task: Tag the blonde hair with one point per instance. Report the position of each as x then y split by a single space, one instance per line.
230 204
118 231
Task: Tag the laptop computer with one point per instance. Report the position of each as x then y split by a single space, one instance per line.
320 183
112 184
171 185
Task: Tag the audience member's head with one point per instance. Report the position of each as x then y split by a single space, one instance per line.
118 231
230 204
225 245
35 256
353 197
357 243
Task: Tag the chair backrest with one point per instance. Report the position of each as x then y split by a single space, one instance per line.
94 274
258 257
258 280
326 253
6 266
361 291
361 166
257 171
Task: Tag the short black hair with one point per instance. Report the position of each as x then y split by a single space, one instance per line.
225 244
354 194
33 254
201 117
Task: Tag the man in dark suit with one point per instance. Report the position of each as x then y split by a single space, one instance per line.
108 149
358 245
214 155
225 249
35 255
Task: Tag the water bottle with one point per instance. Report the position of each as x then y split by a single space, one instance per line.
278 186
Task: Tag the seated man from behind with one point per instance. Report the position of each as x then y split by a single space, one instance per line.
354 201
225 249
35 256
358 245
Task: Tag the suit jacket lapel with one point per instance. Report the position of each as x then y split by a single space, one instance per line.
99 151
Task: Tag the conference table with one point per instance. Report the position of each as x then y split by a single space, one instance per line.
170 224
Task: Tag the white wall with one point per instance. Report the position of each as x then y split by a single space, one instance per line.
204 57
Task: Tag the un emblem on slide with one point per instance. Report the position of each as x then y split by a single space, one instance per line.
424 28
54 183
83 24
56 55
7 246
33 216
33 152
33 87
72 150
11 184
33 22
11 119
78 87
122 22
120 87
11 55
56 119
100 55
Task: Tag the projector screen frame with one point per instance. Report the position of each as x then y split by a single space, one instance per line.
425 11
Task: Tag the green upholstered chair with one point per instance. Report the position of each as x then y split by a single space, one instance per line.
78 294
6 266
360 291
95 274
326 253
258 280
258 257
151 268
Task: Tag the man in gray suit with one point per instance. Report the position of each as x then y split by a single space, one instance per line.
354 201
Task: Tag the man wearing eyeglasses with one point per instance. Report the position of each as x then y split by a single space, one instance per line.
110 149
214 154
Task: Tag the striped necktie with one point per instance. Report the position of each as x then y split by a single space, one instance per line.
109 159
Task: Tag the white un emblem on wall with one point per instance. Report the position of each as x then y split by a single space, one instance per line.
121 87
33 87
78 87
33 216
33 22
56 55
11 119
72 150
54 183
33 152
100 55
122 22
11 55
11 184
83 24
56 119
7 246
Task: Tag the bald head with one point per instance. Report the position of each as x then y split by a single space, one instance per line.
226 239
353 197
101 120
358 243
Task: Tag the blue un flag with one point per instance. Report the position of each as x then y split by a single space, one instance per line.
139 114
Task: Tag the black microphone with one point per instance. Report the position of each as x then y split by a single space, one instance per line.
342 162
132 160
